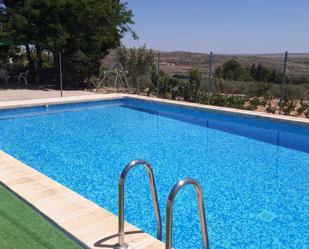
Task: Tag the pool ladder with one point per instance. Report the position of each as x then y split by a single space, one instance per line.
121 243
169 206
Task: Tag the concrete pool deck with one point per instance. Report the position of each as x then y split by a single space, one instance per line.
89 224
7 94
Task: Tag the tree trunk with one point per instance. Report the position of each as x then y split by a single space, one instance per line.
55 60
37 64
28 53
56 66
39 57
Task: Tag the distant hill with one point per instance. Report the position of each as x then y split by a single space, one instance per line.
180 62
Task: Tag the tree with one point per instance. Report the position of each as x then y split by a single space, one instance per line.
231 70
253 71
262 73
83 30
273 76
246 74
192 87
139 64
219 72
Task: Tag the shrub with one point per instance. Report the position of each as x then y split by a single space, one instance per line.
288 107
233 101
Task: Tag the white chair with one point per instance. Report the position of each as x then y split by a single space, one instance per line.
4 75
23 76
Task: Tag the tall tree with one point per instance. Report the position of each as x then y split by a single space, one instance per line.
83 30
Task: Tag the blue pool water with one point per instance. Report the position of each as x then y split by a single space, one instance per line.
254 172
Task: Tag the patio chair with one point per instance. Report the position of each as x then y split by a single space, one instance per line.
23 76
4 75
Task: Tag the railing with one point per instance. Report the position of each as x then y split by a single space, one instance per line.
121 233
169 211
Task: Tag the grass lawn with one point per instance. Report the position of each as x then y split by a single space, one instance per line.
23 228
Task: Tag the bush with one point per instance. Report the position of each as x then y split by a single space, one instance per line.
253 103
78 67
233 101
288 106
140 66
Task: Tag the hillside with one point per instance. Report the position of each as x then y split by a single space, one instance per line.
180 62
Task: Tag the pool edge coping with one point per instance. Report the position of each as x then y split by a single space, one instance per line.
58 204
100 97
223 110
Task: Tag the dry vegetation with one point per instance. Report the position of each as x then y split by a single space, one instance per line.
182 62
235 81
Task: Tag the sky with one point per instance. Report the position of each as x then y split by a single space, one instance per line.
221 26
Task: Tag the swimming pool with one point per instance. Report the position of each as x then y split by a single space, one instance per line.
254 172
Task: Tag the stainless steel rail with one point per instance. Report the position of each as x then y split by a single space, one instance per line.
121 243
169 211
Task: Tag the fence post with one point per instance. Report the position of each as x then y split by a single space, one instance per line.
283 81
158 74
209 74
60 72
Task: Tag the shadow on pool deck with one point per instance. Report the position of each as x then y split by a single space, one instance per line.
100 243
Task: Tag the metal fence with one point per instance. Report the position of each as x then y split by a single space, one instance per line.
277 83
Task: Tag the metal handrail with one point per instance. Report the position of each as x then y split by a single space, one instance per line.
121 244
169 211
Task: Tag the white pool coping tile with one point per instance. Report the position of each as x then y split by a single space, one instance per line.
98 97
85 221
